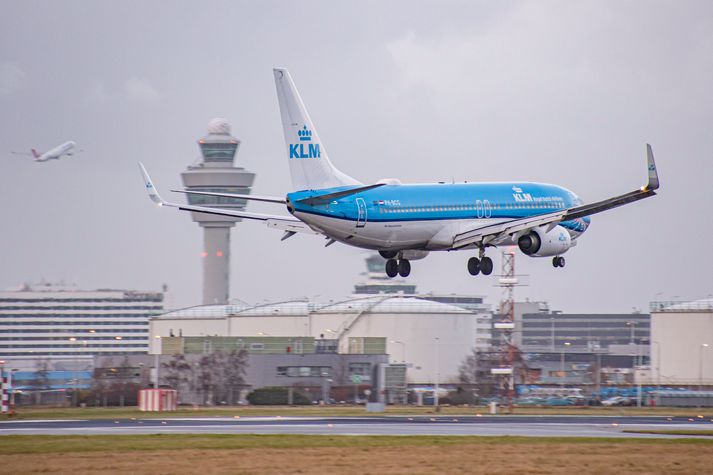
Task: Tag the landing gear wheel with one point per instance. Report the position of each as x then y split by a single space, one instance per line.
474 266
558 261
404 267
388 254
486 265
392 268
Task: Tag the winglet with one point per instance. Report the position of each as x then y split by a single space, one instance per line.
153 192
653 174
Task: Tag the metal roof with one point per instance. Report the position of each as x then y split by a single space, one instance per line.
379 303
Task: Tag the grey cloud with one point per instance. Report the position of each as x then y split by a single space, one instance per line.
11 78
554 91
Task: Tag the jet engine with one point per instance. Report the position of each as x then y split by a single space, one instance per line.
538 243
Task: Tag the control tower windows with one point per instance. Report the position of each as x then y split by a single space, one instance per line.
203 200
218 152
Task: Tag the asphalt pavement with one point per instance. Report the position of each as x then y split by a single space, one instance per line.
535 426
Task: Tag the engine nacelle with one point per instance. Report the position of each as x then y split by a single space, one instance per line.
538 243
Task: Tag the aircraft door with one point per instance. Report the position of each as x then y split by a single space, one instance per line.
361 213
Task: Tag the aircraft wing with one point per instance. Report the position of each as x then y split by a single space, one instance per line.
267 199
289 224
495 233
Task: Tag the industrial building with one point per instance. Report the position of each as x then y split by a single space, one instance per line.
63 323
618 333
681 343
432 337
305 363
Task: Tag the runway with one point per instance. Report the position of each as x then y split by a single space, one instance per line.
533 426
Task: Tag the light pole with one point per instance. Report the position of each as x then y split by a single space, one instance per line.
632 325
658 364
562 373
552 321
157 361
76 375
438 373
403 349
700 365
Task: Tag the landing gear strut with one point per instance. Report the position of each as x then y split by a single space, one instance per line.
558 261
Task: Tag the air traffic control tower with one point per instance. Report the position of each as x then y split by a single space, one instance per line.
215 172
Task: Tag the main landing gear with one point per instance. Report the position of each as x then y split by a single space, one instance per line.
483 264
477 266
401 267
558 261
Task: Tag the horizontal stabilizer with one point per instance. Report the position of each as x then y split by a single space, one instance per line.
324 199
286 223
267 199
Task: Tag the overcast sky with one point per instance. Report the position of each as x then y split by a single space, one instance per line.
561 92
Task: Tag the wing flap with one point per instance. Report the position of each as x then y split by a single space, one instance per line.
492 233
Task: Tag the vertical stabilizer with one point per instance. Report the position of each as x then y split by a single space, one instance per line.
310 167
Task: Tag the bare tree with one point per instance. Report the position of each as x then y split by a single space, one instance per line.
475 371
209 369
233 373
177 371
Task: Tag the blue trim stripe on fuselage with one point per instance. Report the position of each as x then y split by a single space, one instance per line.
398 203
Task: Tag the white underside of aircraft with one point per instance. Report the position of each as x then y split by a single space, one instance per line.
65 149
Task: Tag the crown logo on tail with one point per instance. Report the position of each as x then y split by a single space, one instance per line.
304 134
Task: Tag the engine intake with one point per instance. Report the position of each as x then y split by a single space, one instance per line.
529 243
538 243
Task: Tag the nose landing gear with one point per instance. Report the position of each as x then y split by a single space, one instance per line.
558 261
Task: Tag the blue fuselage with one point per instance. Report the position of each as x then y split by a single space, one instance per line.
440 202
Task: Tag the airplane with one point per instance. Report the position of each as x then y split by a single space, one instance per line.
67 148
405 222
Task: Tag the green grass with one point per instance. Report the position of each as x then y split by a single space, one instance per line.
48 444
702 432
243 411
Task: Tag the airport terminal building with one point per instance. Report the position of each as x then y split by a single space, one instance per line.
63 323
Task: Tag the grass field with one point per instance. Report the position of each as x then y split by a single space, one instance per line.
113 413
291 454
707 433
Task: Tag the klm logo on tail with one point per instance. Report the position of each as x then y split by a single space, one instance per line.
304 150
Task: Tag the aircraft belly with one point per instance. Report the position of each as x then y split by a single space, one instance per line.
374 234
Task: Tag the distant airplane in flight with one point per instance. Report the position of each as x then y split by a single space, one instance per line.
67 148
407 221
